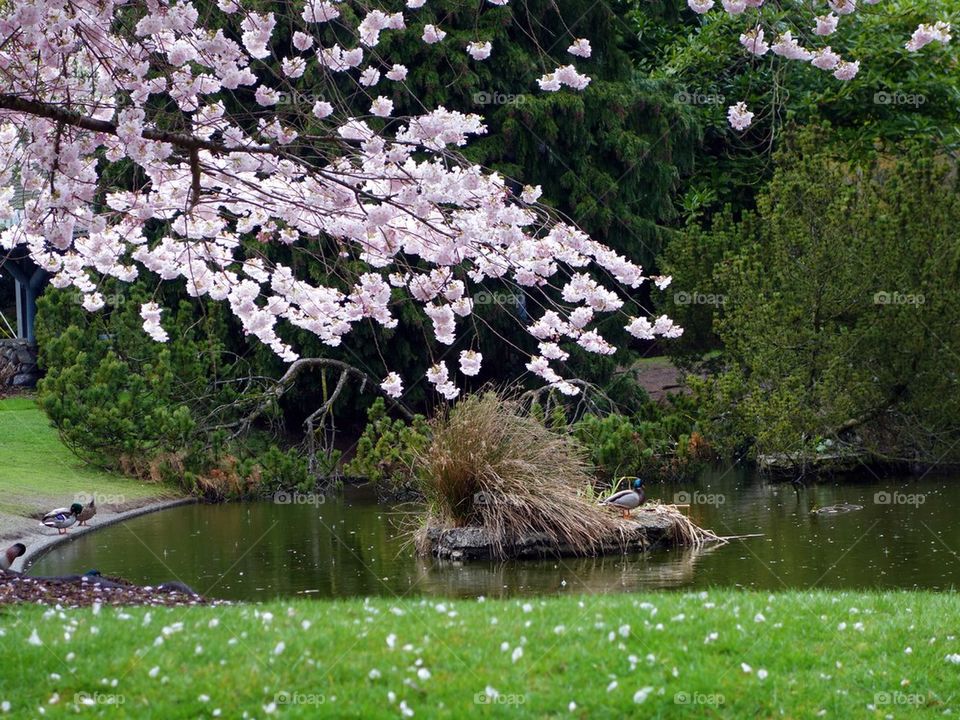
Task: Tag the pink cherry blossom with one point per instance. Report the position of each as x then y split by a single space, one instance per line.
842 7
753 41
470 362
322 109
734 7
317 11
666 327
789 48
826 24
478 50
926 34
392 385
565 75
150 312
531 194
410 220
370 76
739 117
397 73
846 70
439 376
825 59
641 328
433 34
382 107
580 48
302 41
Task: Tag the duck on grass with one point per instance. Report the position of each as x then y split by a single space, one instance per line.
515 488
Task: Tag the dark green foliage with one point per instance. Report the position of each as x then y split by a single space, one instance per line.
696 298
388 448
659 443
123 401
896 96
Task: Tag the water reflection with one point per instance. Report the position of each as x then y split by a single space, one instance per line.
351 546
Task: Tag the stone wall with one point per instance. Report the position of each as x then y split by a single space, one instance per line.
18 363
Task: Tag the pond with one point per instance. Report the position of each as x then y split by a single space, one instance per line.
905 536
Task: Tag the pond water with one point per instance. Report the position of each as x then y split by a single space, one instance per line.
905 536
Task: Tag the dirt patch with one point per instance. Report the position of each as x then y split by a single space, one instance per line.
660 377
83 591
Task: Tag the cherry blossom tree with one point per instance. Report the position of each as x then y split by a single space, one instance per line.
89 85
188 107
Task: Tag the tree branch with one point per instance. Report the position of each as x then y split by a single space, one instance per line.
299 366
75 119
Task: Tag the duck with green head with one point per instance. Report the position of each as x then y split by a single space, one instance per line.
627 500
62 518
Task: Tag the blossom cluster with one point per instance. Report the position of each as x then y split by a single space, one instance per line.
755 42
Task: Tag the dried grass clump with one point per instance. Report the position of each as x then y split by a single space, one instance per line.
684 532
488 465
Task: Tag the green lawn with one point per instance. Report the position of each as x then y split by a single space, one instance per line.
36 469
718 654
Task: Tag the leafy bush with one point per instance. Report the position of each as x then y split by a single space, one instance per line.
388 448
696 298
658 443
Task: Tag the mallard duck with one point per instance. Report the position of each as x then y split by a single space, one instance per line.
88 512
62 518
627 500
11 554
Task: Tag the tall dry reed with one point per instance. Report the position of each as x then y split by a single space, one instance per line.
489 465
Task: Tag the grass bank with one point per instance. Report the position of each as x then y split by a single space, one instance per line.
717 654
38 473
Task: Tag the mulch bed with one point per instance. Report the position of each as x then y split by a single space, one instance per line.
83 591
